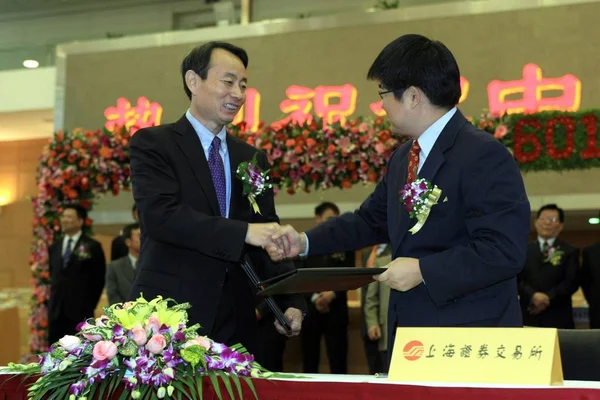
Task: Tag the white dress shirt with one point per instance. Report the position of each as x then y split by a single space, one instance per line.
206 138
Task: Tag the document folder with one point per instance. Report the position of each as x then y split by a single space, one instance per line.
314 280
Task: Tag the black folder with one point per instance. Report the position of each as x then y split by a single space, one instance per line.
314 280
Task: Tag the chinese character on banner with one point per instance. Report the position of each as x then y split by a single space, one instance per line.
377 109
518 352
298 105
532 87
250 111
301 100
143 115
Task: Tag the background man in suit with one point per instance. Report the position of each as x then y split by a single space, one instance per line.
590 282
327 311
77 267
196 223
121 272
377 300
460 268
118 248
549 277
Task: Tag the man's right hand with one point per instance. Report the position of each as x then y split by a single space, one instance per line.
260 235
374 332
287 243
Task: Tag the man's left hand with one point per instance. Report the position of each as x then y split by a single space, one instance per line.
294 317
402 274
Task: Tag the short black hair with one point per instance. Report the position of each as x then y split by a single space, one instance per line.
414 60
321 208
561 212
198 60
129 229
81 212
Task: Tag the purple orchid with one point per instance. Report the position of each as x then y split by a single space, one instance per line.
77 388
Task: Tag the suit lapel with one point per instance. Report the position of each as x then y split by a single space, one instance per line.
190 145
433 163
235 158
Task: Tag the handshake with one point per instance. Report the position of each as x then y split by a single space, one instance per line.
280 242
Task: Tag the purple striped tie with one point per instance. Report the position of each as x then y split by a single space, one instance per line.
218 174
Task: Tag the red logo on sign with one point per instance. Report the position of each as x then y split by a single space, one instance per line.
413 350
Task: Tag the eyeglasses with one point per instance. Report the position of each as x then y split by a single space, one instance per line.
385 92
550 220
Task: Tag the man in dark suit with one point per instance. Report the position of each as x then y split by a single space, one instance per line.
327 314
121 272
196 222
460 268
590 282
549 277
118 248
77 267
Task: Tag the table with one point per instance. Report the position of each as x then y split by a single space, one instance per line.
362 387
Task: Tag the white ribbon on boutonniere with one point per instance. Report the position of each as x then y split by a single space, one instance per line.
418 198
254 181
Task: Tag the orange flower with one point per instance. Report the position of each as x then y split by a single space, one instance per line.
331 149
105 152
372 176
346 183
76 144
83 163
310 142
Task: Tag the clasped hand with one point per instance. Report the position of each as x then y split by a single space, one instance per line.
280 242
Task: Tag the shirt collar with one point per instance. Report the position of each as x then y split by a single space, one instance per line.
205 135
542 240
428 138
132 259
75 237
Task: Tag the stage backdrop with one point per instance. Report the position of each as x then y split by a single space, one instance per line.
523 51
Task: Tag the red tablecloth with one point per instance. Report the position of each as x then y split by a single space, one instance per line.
11 388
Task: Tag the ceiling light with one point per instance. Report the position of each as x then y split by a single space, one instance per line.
594 221
31 64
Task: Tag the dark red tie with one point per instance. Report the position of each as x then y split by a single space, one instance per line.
413 161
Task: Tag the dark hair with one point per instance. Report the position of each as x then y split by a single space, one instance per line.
198 60
414 60
561 212
129 229
81 212
321 208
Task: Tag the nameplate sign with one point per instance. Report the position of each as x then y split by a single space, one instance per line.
529 356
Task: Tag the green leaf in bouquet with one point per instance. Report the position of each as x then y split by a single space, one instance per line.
251 386
129 349
238 385
215 383
181 390
225 379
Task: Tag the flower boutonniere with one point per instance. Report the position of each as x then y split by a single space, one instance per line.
254 180
418 198
554 255
82 252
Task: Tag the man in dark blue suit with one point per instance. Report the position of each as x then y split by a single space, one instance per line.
460 268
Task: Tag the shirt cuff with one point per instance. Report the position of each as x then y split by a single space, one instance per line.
307 246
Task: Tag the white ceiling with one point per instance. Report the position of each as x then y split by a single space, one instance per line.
25 125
